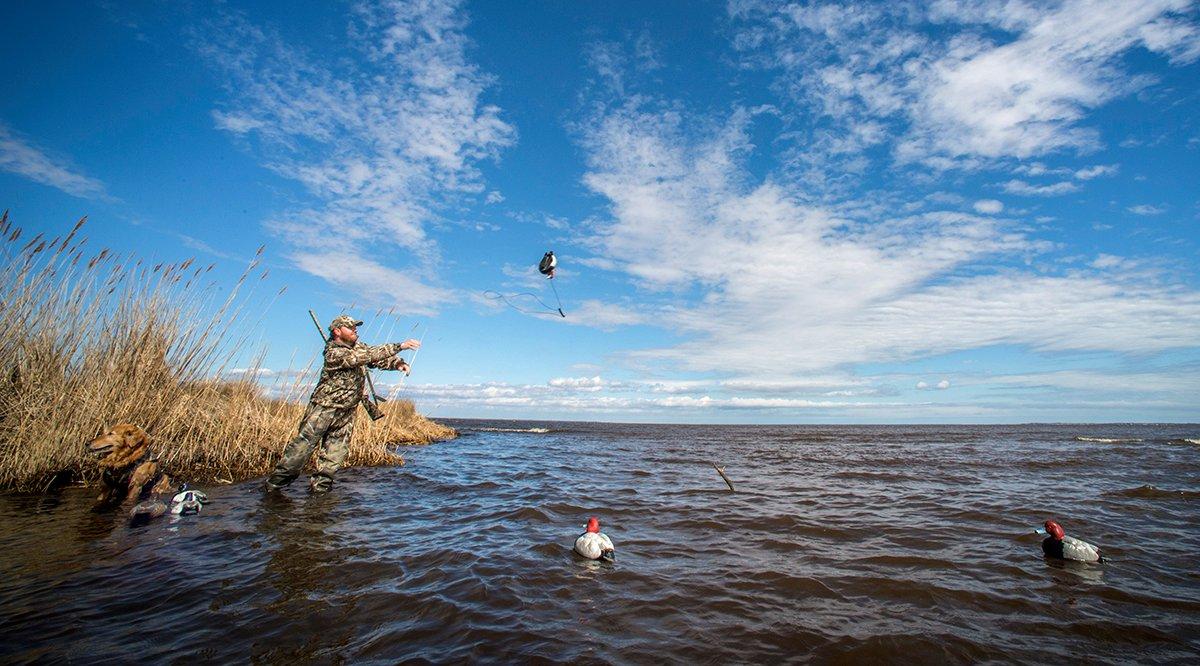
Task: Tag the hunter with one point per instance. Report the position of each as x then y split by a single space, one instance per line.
329 419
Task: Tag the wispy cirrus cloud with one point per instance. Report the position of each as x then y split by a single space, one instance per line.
1147 209
381 143
20 156
1166 384
955 84
785 288
1030 190
1096 171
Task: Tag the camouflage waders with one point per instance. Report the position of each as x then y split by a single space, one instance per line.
329 427
329 419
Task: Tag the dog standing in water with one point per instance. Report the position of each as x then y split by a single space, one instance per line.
130 473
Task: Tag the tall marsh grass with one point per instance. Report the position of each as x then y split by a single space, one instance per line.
93 338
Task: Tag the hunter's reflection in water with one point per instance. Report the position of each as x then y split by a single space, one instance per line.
307 568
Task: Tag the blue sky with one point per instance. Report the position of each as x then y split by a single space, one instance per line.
764 212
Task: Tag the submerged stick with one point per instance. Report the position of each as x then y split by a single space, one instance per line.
721 471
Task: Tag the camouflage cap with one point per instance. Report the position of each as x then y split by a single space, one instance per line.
345 321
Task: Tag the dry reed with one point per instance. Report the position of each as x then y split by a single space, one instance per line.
94 339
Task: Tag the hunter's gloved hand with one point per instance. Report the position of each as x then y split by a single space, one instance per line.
410 344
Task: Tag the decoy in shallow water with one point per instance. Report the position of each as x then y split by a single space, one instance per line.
187 502
1058 545
593 544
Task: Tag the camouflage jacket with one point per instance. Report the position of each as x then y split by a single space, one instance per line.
344 372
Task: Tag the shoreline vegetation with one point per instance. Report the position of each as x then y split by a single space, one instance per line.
95 338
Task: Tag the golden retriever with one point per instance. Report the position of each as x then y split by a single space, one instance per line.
131 472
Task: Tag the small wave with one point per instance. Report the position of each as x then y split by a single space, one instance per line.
809 438
1109 440
873 476
533 430
1185 441
1151 492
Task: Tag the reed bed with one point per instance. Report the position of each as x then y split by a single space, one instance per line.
95 338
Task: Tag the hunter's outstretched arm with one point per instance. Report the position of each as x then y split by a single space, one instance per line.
393 363
338 357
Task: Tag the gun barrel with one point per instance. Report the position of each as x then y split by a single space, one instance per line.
320 331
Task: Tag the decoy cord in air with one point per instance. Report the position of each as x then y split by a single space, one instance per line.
497 296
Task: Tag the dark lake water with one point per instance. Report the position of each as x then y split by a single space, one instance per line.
858 544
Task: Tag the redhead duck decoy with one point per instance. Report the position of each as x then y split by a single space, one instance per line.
593 544
1057 544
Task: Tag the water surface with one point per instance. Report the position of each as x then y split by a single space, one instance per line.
888 543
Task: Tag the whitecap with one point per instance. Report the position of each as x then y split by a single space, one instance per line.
1109 440
533 430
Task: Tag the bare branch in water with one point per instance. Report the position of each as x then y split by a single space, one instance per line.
721 471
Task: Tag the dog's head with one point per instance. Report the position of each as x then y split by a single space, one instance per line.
125 442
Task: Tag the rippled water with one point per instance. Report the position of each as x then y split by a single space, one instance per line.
898 544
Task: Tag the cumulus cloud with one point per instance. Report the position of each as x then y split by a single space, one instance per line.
926 386
578 383
988 206
381 146
19 156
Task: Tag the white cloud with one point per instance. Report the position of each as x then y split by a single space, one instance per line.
351 270
608 61
1026 189
1036 169
1096 171
1168 382
578 383
619 63
988 206
494 197
237 124
809 384
605 316
788 288
1113 262
990 81
567 397
943 385
1147 209
380 147
24 159
1027 96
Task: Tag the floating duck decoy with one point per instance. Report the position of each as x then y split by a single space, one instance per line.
188 502
1057 544
595 545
